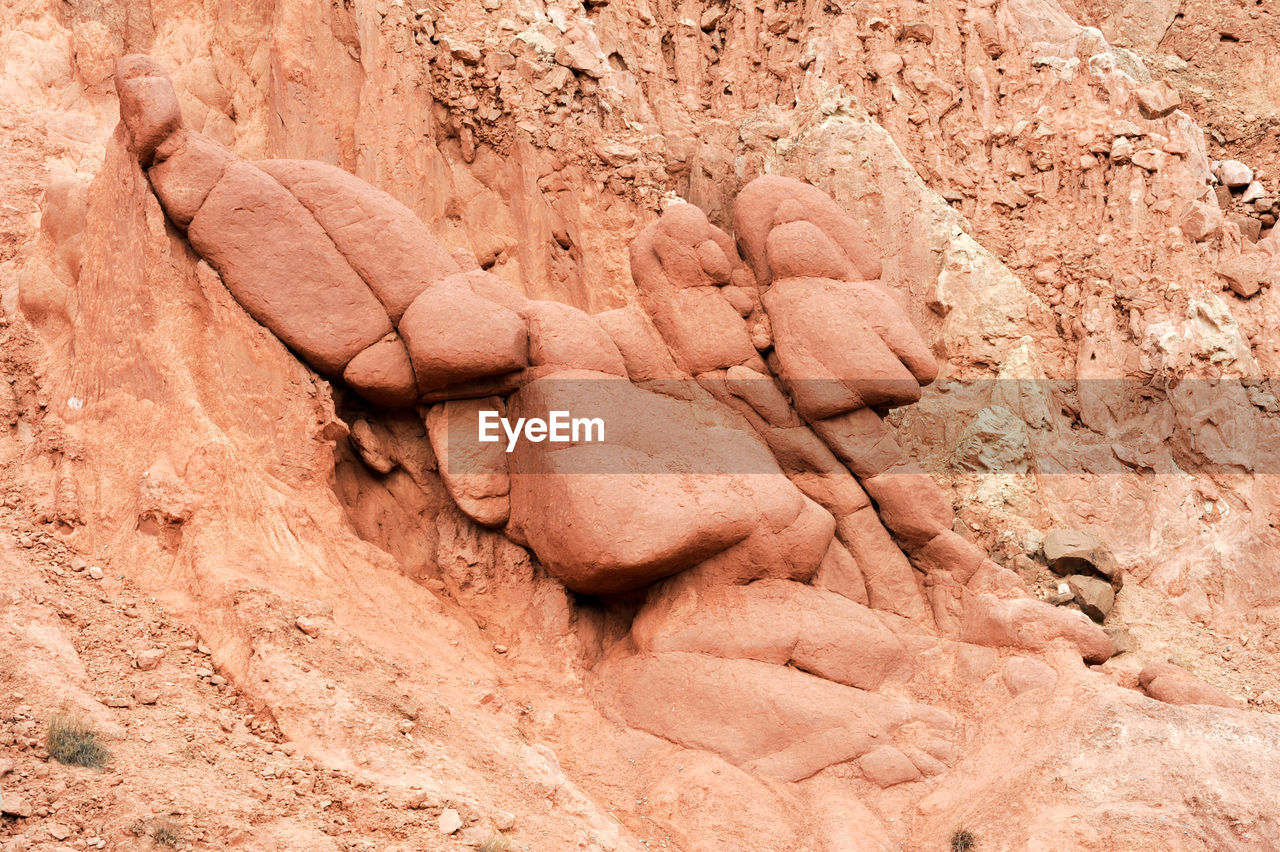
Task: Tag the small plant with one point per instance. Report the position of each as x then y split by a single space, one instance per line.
497 842
74 741
963 841
165 834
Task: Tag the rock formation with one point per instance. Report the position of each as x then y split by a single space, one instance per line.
789 357
967 319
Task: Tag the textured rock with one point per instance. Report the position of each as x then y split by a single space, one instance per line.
277 261
1078 552
493 340
1157 100
1234 173
769 719
385 243
1021 674
1094 595
1175 685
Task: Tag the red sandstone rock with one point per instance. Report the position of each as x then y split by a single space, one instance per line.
454 335
768 719
383 374
771 200
189 165
278 262
1175 685
385 243
148 106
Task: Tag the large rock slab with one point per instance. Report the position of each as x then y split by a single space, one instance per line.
671 485
768 719
385 243
780 622
282 267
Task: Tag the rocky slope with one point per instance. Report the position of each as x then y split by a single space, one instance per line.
1101 309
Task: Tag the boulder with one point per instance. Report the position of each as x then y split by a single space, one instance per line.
1246 273
383 374
149 106
384 241
679 263
772 200
563 336
285 271
880 359
1234 173
188 166
911 505
609 516
1201 221
455 335
1094 595
1078 552
474 472
1157 99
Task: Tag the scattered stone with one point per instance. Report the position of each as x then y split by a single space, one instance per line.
885 64
1147 158
464 51
1201 221
476 836
1253 192
58 831
78 564
1078 552
504 820
372 449
450 821
1250 228
501 649
116 701
1244 273
1094 595
1157 100
1061 595
15 806
581 58
307 625
95 572
1121 150
918 31
555 80
6 766
1224 196
1234 173
146 695
148 659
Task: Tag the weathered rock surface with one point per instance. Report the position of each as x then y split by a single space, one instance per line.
1016 246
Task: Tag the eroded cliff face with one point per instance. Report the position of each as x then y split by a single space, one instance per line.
1037 217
